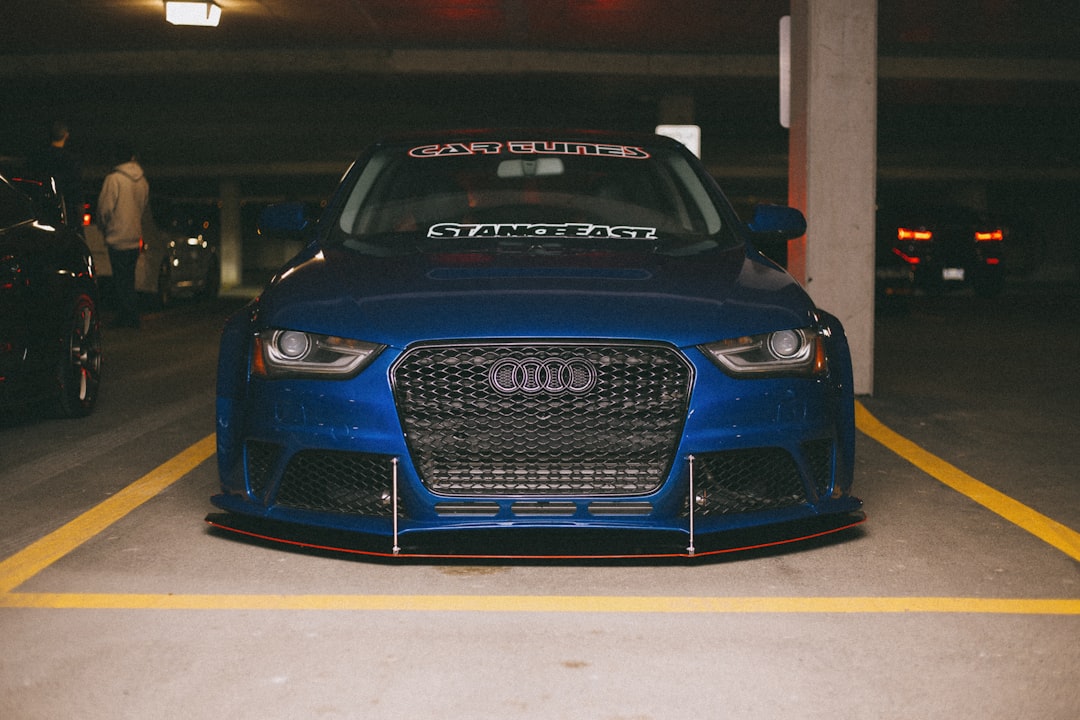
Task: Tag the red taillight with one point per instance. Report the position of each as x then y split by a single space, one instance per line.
909 234
989 235
993 261
87 218
910 260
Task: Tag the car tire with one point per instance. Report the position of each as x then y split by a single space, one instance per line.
78 372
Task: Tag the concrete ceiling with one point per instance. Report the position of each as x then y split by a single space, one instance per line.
975 28
283 85
639 25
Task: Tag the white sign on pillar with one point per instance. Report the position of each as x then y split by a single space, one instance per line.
688 135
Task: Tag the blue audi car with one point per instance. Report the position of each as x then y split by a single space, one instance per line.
533 343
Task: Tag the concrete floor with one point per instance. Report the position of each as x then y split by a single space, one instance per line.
952 601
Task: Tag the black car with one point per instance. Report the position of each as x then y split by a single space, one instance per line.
936 249
50 330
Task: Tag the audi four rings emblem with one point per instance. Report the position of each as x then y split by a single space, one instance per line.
535 375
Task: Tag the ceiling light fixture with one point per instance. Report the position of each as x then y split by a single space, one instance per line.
192 13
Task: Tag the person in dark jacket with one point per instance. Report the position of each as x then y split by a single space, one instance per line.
56 161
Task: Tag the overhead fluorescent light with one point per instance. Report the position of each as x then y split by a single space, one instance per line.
192 13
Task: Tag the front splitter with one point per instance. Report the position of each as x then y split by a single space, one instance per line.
536 544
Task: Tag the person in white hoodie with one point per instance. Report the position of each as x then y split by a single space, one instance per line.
121 207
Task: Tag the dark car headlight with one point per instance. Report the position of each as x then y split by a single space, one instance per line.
799 352
294 353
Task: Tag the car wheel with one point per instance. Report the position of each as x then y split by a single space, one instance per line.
78 372
164 286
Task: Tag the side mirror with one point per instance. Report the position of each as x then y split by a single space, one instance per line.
777 222
283 221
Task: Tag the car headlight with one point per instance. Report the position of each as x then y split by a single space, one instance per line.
293 353
799 352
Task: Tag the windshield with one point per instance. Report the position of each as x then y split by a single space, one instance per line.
565 192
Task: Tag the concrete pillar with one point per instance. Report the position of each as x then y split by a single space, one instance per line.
676 110
230 252
833 164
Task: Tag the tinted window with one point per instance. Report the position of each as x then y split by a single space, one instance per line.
15 207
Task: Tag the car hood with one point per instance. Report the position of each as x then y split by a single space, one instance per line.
400 300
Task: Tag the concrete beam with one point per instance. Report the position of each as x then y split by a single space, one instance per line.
288 62
389 62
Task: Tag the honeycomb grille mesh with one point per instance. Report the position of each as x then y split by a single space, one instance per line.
819 457
542 419
335 481
261 458
739 481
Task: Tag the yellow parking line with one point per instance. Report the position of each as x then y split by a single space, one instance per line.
1063 538
34 558
545 603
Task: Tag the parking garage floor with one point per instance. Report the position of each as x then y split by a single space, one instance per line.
958 598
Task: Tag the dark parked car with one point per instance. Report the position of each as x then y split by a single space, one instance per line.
187 260
50 332
545 343
935 249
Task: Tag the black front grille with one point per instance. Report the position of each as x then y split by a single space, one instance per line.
334 481
542 419
751 480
